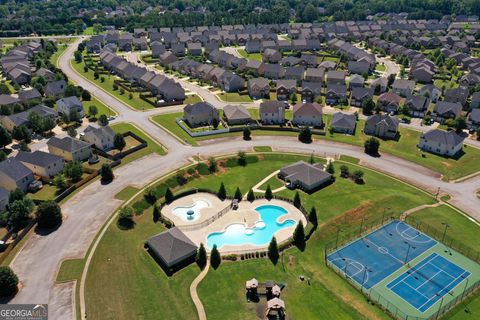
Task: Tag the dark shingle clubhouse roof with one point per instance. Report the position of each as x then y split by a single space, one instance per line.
171 246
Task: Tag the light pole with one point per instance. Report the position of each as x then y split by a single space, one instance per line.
408 250
465 288
361 224
445 230
338 233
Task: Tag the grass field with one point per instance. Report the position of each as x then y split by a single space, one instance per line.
273 182
262 149
192 98
126 193
168 122
101 107
151 294
107 85
152 146
70 270
54 57
234 97
251 56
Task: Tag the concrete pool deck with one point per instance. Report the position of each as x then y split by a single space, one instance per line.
245 214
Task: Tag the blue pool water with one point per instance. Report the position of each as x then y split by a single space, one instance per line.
261 234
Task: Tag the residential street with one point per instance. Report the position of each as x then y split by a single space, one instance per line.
88 210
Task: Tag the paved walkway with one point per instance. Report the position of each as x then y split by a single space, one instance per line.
193 293
258 185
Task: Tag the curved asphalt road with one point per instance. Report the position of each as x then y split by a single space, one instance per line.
38 262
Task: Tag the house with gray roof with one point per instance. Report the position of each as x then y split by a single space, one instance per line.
171 248
417 105
14 174
4 196
403 87
445 143
42 164
335 94
200 114
360 95
101 137
315 75
382 125
71 104
21 118
336 77
236 114
272 112
258 88
307 114
343 122
69 148
55 89
446 110
389 102
379 85
285 88
9 100
311 91
359 67
474 119
305 176
28 96
274 71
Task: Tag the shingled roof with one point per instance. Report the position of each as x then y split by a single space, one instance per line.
171 246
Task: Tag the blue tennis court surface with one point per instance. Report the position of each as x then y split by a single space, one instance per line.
377 255
428 281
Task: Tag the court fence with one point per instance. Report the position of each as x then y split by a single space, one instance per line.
376 297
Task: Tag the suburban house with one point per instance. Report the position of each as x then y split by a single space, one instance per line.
417 105
307 114
271 56
171 248
336 94
305 176
199 114
70 104
474 119
356 81
55 89
69 148
315 75
255 67
4 196
101 137
258 88
21 118
381 125
236 114
14 174
29 96
430 91
231 82
274 71
475 101
379 85
389 102
311 90
359 67
360 95
403 87
459 95
336 77
42 164
445 143
343 122
446 110
285 88
272 112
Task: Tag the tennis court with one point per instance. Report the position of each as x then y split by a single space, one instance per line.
406 271
377 255
426 283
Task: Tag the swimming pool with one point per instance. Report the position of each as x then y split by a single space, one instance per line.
191 213
261 234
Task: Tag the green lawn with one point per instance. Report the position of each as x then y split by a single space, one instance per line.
150 294
234 97
88 31
48 192
70 270
192 98
262 149
251 56
125 282
168 122
126 193
464 231
107 85
101 107
54 57
153 146
380 67
274 183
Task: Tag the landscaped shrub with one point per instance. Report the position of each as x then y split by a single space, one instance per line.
172 182
191 171
203 169
125 218
230 257
251 159
140 206
231 162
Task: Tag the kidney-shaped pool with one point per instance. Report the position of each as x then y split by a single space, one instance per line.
261 234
